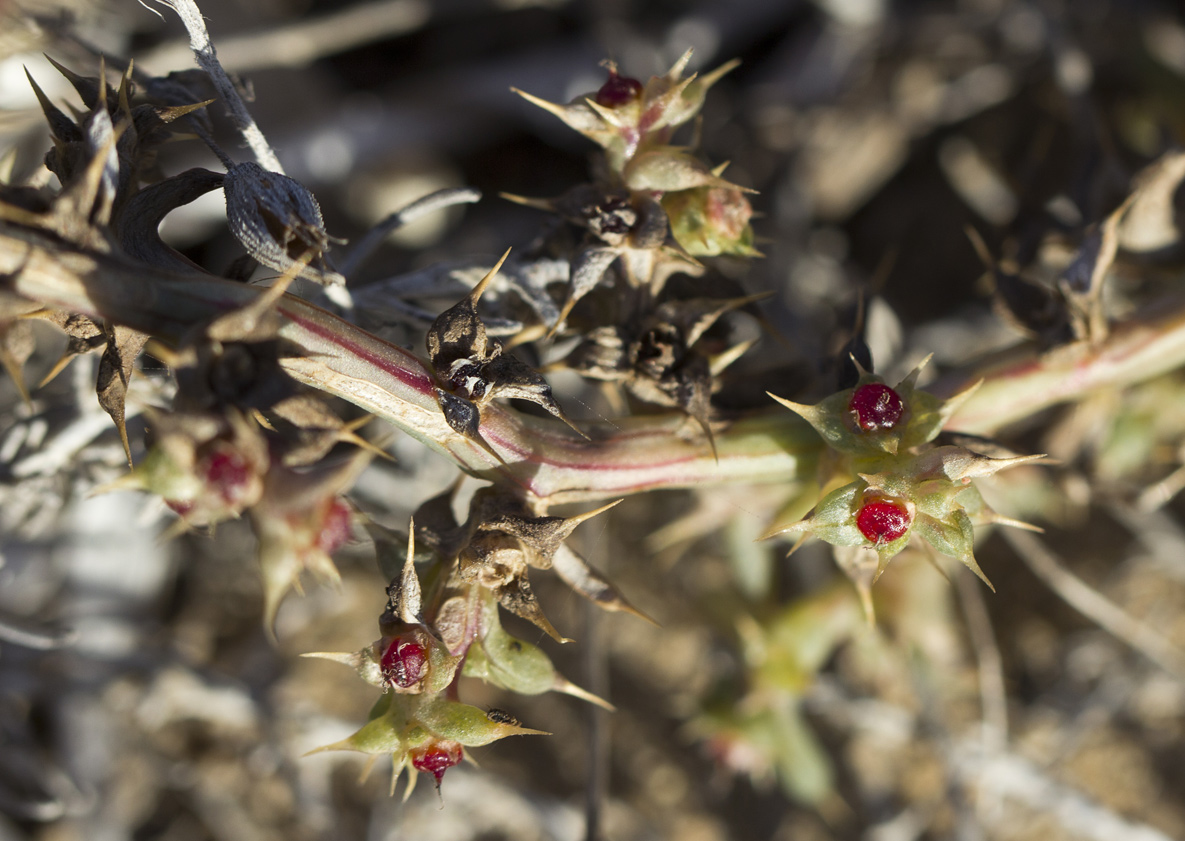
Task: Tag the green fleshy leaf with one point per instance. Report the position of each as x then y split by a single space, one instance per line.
385 732
834 518
954 537
467 724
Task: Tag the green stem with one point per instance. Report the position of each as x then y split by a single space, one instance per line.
542 457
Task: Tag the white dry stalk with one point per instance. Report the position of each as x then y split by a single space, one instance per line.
203 49
1003 776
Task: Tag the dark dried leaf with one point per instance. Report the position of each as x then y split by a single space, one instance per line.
509 377
518 597
586 581
459 334
139 220
460 414
396 555
88 87
63 129
587 270
491 510
182 88
1032 307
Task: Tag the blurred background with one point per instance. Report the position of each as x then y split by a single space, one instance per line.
140 697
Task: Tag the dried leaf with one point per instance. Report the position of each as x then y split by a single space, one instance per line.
115 373
586 581
16 346
140 217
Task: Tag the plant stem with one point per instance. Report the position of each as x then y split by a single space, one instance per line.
541 456
203 50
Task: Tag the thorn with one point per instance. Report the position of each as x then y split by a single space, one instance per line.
525 201
604 113
477 291
801 540
588 515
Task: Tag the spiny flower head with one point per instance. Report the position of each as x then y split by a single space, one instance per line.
929 494
626 116
873 419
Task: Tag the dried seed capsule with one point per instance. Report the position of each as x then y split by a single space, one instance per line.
883 521
404 664
875 406
278 221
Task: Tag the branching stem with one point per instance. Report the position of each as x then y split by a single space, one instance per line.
541 456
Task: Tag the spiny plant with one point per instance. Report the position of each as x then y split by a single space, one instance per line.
875 469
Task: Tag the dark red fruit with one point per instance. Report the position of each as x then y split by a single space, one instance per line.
436 757
404 664
876 407
228 474
182 507
883 521
619 90
335 528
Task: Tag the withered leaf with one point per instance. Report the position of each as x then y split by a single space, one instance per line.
587 270
494 511
63 129
16 346
89 87
83 335
436 525
509 377
518 597
115 373
586 581
473 369
139 220
310 429
458 332
396 554
1082 281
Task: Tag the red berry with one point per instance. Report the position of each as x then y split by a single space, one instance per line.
619 90
335 528
181 507
404 664
883 521
228 474
436 757
876 407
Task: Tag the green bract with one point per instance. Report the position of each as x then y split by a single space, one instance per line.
897 464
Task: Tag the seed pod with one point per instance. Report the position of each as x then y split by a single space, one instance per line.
278 221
